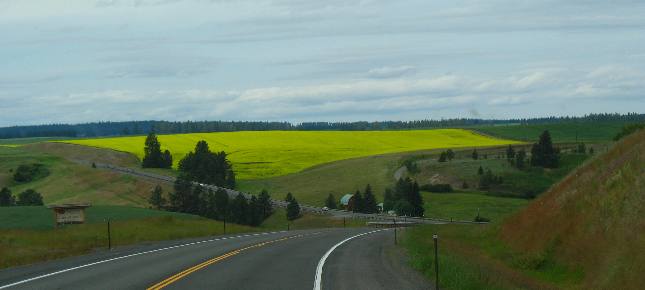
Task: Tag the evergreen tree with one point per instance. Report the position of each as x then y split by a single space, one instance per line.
289 197
475 155
239 209
543 154
180 199
6 198
255 217
416 200
293 209
265 204
510 152
30 197
204 166
156 198
211 205
221 204
464 185
369 201
590 150
358 202
166 160
152 157
480 171
450 154
582 149
443 157
330 202
520 159
388 200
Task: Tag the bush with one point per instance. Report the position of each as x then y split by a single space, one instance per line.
30 197
29 172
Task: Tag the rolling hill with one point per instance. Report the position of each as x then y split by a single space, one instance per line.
262 154
593 220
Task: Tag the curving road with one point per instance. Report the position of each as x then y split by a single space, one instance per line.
360 258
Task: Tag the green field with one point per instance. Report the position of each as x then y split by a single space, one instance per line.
465 206
589 132
40 217
262 154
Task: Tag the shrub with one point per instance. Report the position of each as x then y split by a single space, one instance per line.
30 197
29 172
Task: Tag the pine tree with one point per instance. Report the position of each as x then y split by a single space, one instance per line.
293 209
330 202
450 154
204 166
221 204
480 171
520 159
254 212
475 155
265 204
416 200
156 198
543 154
239 209
510 152
166 160
369 201
289 197
443 157
388 200
358 202
6 198
152 157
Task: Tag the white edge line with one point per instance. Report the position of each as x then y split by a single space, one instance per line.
128 256
321 263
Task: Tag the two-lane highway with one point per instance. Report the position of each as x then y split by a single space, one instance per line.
326 258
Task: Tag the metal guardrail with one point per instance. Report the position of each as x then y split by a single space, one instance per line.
283 204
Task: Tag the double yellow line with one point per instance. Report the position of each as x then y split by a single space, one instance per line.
192 269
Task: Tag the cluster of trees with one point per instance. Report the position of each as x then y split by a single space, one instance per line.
330 202
447 155
293 207
29 172
25 198
364 202
196 199
488 179
405 199
152 155
543 154
165 127
204 166
517 159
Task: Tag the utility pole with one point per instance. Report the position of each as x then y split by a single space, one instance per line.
109 235
436 261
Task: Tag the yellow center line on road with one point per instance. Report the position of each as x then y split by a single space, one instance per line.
197 267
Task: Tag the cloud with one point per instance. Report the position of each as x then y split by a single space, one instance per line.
391 72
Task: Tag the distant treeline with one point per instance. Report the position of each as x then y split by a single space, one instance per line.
165 127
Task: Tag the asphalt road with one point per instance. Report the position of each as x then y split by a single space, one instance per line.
362 258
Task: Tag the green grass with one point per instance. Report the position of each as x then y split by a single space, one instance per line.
69 181
465 206
40 217
278 221
23 141
265 154
590 132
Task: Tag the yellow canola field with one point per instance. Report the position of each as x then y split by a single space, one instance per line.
263 154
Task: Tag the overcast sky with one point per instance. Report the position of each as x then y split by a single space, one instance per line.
302 60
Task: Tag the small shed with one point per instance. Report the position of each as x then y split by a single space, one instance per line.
347 201
69 213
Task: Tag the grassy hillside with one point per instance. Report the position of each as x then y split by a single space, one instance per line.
71 177
264 154
590 132
594 219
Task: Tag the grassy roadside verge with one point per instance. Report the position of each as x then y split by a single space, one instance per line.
27 234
